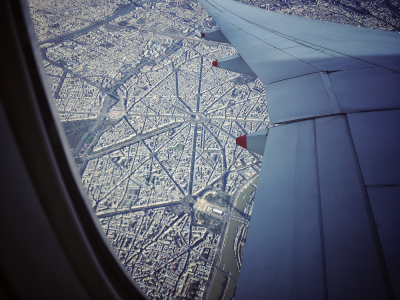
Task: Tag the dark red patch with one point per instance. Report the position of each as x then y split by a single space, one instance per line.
242 141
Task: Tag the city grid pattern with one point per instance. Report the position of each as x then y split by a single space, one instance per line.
159 141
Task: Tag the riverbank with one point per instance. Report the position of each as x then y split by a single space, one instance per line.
244 196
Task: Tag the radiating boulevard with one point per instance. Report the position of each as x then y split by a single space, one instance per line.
152 128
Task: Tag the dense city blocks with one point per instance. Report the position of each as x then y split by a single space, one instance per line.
152 127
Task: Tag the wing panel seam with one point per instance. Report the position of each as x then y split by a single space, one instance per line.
330 91
321 224
266 42
371 219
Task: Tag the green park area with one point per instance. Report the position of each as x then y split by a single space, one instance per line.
213 224
179 147
221 200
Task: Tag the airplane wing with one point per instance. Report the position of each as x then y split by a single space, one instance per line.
327 209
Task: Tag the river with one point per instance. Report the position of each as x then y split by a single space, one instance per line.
244 196
228 259
218 286
228 264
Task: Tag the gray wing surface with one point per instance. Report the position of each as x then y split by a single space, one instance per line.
326 217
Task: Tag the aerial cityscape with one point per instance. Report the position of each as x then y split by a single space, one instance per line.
152 128
383 14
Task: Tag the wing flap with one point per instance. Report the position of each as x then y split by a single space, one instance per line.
312 232
386 209
352 262
376 140
283 244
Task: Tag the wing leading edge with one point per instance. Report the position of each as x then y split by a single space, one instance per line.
326 213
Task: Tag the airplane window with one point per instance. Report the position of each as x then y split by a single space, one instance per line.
152 126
